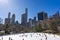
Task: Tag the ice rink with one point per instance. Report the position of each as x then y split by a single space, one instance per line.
30 36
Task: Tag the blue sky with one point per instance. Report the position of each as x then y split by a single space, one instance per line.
34 6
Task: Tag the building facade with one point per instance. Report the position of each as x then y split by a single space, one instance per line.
7 20
42 16
13 19
24 18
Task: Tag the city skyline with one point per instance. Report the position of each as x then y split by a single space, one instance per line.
17 7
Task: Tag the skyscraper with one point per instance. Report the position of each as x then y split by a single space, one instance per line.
56 15
13 19
34 20
9 15
26 15
7 20
42 16
24 18
30 23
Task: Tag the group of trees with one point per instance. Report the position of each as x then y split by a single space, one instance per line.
53 23
39 28
6 29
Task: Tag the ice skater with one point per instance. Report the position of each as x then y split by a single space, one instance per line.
46 37
10 38
31 35
23 39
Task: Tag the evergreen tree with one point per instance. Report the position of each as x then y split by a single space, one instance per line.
38 28
6 29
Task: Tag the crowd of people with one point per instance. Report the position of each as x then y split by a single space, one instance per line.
30 36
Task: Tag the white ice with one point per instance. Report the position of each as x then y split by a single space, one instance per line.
30 36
